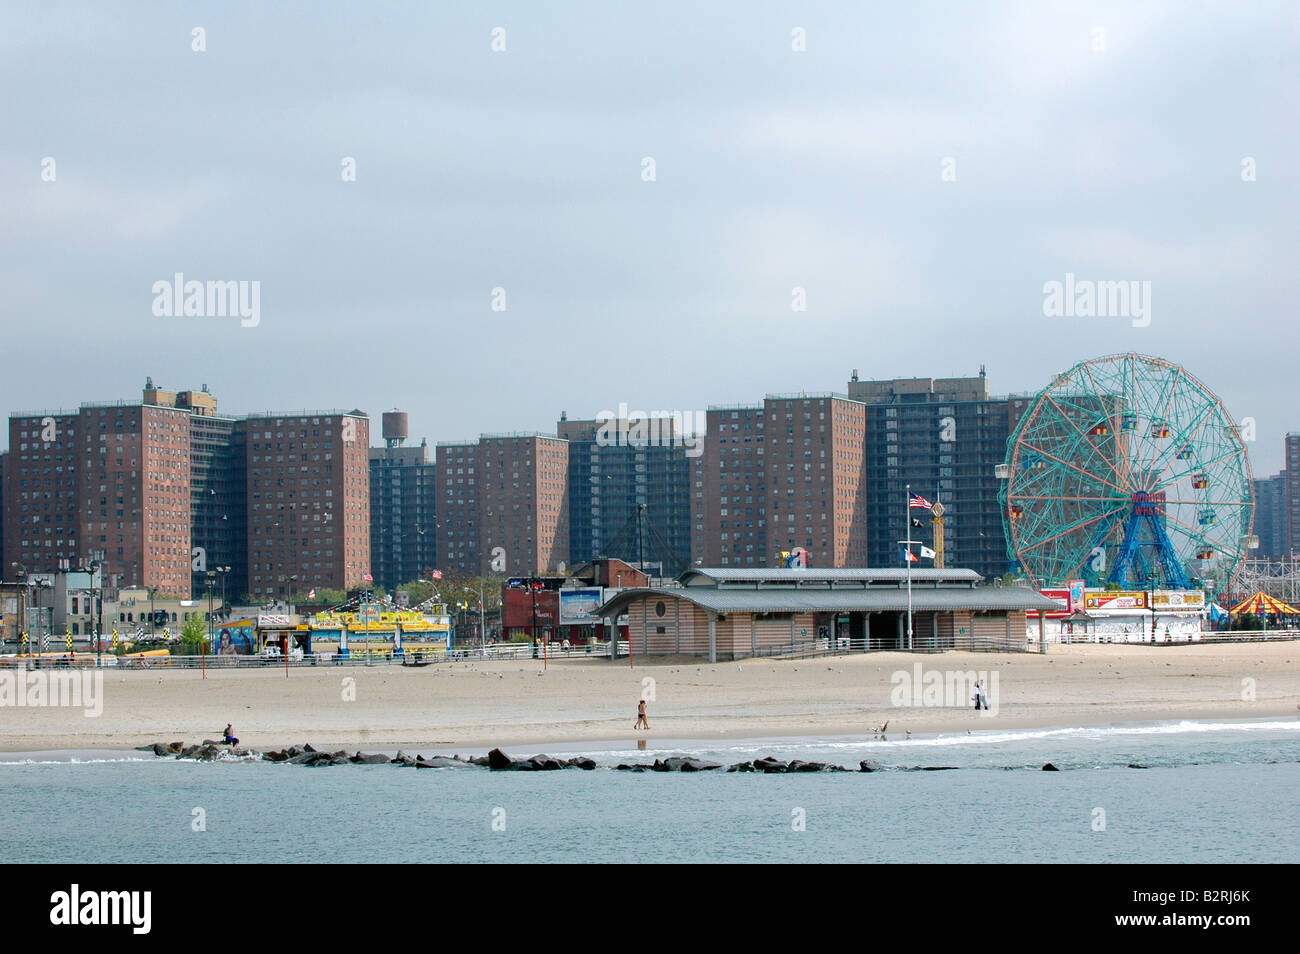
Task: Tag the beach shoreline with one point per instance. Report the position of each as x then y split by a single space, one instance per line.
472 706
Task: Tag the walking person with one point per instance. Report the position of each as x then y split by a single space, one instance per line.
979 695
641 722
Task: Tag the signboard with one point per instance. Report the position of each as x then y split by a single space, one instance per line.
1174 600
272 619
1115 600
1075 600
578 606
1061 596
235 639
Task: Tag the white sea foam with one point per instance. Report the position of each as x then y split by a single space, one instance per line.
799 746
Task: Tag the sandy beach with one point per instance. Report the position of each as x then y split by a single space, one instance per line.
473 705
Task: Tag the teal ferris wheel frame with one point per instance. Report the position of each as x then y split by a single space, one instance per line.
1127 470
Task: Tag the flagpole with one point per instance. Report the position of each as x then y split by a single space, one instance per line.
907 522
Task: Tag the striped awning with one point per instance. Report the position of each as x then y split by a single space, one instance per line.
1261 604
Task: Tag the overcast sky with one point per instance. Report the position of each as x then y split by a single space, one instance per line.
1114 156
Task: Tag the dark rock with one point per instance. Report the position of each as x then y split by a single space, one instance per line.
741 767
280 756
639 767
870 765
800 766
306 747
441 761
148 748
479 760
583 763
1049 767
938 768
1137 765
498 761
770 765
293 751
203 753
370 759
174 748
698 765
680 763
544 763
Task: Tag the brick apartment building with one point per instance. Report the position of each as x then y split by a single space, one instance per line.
167 491
308 479
503 504
787 473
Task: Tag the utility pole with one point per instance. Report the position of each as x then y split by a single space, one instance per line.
482 617
907 556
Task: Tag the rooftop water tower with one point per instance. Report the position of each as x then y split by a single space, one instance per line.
397 428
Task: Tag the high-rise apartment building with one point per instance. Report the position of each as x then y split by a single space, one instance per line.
816 478
43 492
1270 517
503 504
308 486
108 478
944 437
403 522
1291 504
524 502
629 491
456 488
729 489
786 474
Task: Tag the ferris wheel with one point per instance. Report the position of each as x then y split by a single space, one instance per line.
1126 469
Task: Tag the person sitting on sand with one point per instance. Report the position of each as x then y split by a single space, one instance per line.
641 722
229 736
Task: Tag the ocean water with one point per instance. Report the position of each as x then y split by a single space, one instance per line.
1209 792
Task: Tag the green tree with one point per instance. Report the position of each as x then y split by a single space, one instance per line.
194 633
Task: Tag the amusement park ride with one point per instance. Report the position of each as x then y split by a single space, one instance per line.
1127 470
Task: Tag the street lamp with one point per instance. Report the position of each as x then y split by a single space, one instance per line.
97 594
20 576
42 585
222 572
211 577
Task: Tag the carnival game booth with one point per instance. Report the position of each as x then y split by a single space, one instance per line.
1122 616
381 632
1267 608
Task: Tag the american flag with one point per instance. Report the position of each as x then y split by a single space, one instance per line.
368 578
311 594
437 574
916 500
